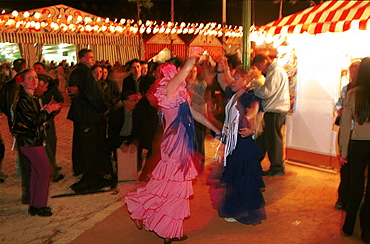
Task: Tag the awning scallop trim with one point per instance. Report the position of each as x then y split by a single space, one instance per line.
330 16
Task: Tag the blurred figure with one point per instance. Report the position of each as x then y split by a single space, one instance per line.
274 93
343 189
111 90
163 204
237 194
354 144
5 73
62 76
48 91
353 69
8 93
148 114
155 154
233 62
196 90
10 88
145 72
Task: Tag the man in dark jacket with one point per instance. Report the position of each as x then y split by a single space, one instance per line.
8 96
147 114
9 89
87 113
122 128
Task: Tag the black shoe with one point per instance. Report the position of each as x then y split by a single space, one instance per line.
2 180
42 212
102 184
58 178
338 205
138 223
32 210
113 184
273 173
347 231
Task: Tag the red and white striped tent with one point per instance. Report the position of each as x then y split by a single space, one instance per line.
330 16
326 39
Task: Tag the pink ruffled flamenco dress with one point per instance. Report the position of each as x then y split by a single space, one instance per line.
163 204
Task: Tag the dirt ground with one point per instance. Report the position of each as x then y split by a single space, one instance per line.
299 209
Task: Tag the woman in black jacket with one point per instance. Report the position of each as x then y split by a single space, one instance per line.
28 129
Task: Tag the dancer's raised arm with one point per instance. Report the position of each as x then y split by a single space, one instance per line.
177 80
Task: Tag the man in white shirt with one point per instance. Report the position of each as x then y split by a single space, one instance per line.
274 93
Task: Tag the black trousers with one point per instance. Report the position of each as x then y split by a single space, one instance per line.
2 149
51 147
271 140
200 132
358 157
106 152
25 166
343 189
87 140
2 155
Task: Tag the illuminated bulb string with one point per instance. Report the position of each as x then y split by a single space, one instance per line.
45 22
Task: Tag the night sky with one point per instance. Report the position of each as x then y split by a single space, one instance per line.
263 11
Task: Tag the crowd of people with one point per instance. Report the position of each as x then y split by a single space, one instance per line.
165 109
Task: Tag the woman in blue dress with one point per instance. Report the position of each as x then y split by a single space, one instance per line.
238 194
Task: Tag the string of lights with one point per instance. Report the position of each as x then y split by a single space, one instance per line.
46 22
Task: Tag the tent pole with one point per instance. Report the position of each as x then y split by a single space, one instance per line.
246 28
223 23
173 21
138 18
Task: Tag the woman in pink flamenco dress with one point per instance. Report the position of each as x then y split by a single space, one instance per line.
163 204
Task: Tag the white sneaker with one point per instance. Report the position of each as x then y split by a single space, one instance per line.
230 220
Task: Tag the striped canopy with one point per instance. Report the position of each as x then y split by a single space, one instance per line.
330 16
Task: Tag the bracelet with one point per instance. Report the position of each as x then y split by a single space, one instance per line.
222 71
218 135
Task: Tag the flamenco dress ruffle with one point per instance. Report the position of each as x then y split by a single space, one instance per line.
163 203
236 188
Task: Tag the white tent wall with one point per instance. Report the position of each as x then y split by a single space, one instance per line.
310 134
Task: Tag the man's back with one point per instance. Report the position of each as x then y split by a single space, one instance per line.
275 91
88 104
8 94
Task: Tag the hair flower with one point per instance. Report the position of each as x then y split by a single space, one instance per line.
168 70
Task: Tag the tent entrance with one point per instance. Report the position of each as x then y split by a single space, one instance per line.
59 52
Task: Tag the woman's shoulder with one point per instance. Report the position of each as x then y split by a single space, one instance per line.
181 95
